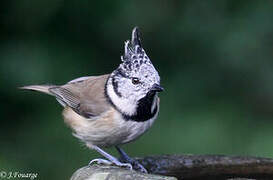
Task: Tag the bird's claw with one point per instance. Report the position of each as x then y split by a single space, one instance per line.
138 167
100 161
107 162
127 165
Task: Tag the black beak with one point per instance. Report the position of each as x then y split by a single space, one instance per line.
157 88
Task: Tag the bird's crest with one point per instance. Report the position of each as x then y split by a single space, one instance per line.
134 55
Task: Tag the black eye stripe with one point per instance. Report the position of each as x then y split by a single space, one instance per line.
115 87
120 72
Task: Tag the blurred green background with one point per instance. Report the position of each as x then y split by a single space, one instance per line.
215 59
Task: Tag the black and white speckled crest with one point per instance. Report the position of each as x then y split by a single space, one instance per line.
134 55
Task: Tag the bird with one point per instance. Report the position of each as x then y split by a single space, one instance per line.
113 109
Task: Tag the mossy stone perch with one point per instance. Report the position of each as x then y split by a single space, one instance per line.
104 172
195 167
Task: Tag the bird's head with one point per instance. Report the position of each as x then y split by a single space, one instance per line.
135 78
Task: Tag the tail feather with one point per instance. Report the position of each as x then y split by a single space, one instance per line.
40 88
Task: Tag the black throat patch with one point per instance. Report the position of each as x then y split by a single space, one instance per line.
143 109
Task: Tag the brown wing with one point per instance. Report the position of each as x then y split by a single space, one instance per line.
85 96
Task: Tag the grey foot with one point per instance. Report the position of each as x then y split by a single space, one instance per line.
127 165
107 162
126 159
138 167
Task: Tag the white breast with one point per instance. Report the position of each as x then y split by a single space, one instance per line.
107 130
136 129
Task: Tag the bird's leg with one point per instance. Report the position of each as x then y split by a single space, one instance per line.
110 159
125 158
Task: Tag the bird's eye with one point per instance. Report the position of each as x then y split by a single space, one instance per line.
135 80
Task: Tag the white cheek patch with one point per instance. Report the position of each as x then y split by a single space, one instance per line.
125 87
125 105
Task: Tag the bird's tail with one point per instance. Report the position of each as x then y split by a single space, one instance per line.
39 88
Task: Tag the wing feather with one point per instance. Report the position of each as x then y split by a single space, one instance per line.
84 95
65 96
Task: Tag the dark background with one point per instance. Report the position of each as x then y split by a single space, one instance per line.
215 59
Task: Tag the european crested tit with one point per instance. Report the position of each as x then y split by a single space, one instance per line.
112 109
